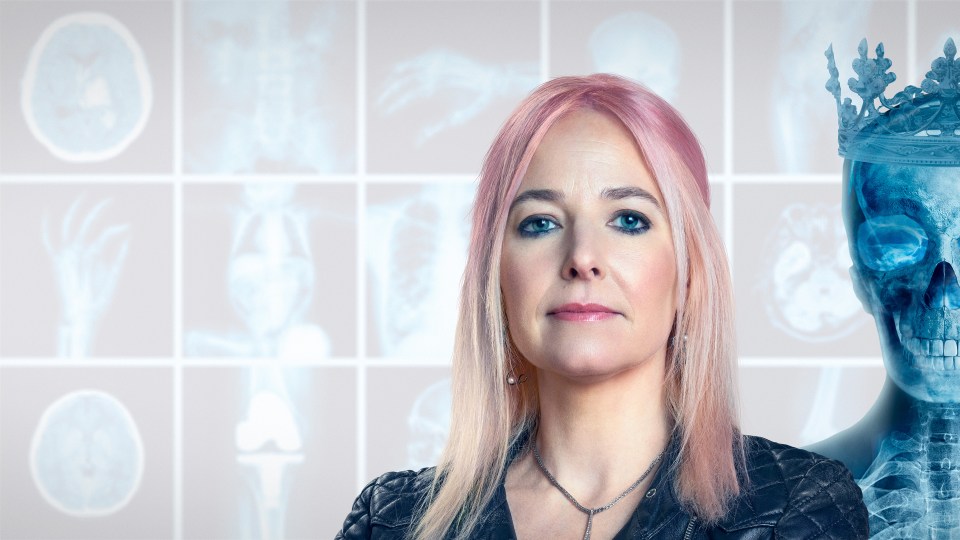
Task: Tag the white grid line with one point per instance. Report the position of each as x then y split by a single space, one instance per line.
361 153
912 40
177 389
544 40
726 179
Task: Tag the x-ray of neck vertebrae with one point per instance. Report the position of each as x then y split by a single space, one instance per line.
638 46
86 93
470 83
87 257
415 262
796 111
269 440
912 489
429 425
264 70
87 457
270 281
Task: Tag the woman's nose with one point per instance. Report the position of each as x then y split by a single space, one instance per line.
584 258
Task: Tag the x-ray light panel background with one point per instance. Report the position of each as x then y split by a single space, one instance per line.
232 233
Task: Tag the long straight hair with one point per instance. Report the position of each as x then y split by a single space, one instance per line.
488 416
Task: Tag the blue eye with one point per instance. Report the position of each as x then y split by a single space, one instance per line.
535 226
632 222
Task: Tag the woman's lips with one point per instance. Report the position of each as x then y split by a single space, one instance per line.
582 312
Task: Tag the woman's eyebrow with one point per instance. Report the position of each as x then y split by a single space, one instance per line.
548 195
627 192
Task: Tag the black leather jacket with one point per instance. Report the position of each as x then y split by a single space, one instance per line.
792 494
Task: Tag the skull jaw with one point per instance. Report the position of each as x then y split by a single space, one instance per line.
922 377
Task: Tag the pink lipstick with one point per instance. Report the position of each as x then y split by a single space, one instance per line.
582 312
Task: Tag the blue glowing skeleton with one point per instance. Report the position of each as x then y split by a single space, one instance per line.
901 208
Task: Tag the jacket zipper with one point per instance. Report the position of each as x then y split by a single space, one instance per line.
689 533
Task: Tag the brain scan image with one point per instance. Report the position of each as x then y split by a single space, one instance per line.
429 425
86 456
415 264
804 281
640 47
86 93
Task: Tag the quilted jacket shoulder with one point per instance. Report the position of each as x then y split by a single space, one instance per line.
387 504
797 494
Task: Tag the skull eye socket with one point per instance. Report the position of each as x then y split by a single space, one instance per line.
887 243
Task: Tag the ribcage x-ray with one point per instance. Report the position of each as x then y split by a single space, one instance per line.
639 46
87 92
429 425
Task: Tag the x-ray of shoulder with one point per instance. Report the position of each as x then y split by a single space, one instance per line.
87 251
269 441
86 93
415 262
796 112
465 85
641 47
270 277
87 457
429 425
804 281
259 75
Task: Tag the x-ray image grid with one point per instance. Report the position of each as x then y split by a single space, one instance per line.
232 233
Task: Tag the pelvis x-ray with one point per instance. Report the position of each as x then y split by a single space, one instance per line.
270 278
88 254
804 282
641 47
87 457
259 77
86 93
415 262
269 441
429 425
471 84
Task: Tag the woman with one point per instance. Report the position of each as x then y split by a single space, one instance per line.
594 361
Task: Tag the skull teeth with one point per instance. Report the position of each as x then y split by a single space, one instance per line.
938 354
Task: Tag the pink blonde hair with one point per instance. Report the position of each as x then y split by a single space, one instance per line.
488 416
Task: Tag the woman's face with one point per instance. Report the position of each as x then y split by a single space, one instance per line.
587 272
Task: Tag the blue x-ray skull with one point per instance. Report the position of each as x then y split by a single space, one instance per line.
904 224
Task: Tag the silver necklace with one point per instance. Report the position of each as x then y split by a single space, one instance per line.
590 512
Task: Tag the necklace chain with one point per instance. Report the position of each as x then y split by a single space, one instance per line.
590 512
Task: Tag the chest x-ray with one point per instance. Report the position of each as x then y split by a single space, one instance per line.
269 440
429 425
797 113
469 84
264 75
87 457
269 277
88 255
415 262
641 47
86 93
804 279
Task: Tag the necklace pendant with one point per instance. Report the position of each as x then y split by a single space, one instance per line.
586 533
